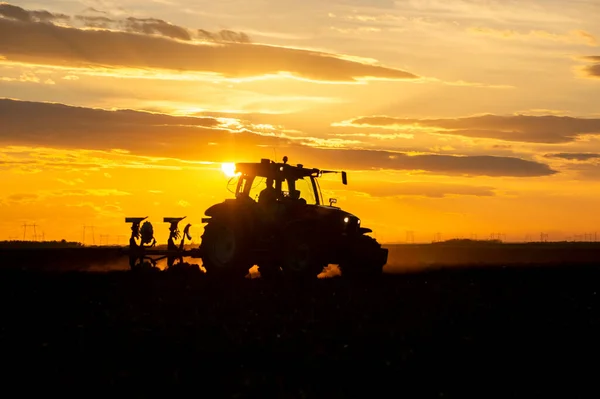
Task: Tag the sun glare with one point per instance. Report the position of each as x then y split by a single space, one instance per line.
228 169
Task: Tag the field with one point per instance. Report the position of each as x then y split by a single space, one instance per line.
439 331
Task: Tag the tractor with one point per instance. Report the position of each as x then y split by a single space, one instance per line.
278 221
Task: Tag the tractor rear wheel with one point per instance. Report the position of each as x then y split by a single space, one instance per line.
224 250
364 259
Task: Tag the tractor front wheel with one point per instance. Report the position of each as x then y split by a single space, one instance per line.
366 259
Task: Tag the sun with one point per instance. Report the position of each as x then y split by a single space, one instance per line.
228 169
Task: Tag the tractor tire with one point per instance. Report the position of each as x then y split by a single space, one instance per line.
364 261
302 254
224 250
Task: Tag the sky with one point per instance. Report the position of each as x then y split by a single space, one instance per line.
465 118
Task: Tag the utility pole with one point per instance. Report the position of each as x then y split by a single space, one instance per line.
93 235
25 226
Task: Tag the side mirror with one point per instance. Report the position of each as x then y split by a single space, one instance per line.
344 178
332 201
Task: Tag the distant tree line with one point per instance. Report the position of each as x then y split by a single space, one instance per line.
469 241
39 244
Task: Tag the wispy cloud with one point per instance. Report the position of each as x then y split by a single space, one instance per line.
383 189
574 156
519 128
573 37
155 44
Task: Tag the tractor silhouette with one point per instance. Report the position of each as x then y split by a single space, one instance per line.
278 221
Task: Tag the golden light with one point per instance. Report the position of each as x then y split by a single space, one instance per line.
228 169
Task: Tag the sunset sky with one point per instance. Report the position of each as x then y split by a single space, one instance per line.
464 117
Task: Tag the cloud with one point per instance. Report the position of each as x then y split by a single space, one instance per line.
87 193
28 41
155 26
483 165
34 159
45 195
592 71
574 156
188 139
70 182
572 37
223 36
27 78
95 21
420 189
20 14
146 26
549 129
22 198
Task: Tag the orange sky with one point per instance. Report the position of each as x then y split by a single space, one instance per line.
460 117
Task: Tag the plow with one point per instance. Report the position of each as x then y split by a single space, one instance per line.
144 255
277 220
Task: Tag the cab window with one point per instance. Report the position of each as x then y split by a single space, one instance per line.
259 184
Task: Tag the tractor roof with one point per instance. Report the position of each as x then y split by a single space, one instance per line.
270 169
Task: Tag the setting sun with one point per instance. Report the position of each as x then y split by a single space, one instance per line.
229 169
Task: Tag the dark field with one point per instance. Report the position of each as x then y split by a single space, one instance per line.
489 331
402 257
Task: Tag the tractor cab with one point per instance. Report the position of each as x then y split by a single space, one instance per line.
280 182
